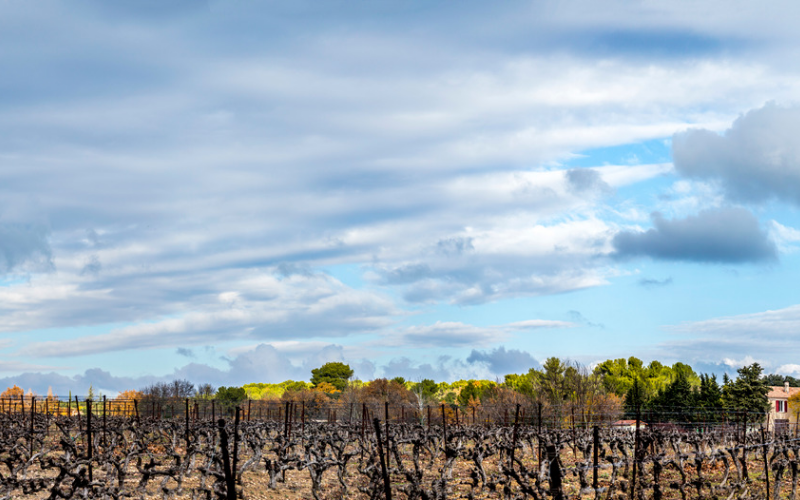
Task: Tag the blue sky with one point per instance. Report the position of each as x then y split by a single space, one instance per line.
233 192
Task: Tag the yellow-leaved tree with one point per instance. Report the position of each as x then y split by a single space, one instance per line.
794 409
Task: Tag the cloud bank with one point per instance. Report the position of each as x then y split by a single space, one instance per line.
725 235
755 160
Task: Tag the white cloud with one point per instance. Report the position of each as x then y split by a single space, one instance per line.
764 337
267 306
457 334
176 173
786 238
745 361
788 369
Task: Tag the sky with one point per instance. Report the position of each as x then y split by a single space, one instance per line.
235 192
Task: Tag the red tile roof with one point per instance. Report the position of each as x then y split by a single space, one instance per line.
779 392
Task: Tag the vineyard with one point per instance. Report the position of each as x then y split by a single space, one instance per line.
176 449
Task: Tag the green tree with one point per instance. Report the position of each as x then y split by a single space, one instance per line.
470 391
552 380
748 392
335 373
635 398
778 380
710 395
524 384
425 389
230 397
297 386
94 395
677 401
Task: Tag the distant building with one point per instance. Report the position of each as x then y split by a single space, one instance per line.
779 417
628 424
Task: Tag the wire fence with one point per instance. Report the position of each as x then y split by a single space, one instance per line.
697 419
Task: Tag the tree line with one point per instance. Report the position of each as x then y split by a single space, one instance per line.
619 386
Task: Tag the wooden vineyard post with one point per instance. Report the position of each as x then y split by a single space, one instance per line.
636 450
386 416
235 443
595 453
574 437
230 483
187 425
766 462
444 428
248 408
33 412
556 491
363 419
387 485
514 440
286 422
539 435
136 409
89 435
303 419
78 409
105 438
429 418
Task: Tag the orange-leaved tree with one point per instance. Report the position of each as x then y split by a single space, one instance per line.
326 387
124 402
12 392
